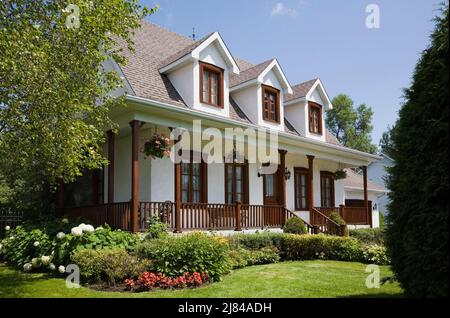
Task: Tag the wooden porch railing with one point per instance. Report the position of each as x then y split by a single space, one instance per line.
116 215
351 215
310 229
325 224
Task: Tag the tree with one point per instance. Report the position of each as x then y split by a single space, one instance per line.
418 233
385 145
351 127
55 94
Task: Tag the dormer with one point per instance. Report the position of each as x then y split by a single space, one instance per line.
305 109
200 73
260 92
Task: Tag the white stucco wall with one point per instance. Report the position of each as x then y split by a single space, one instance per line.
296 114
376 172
247 99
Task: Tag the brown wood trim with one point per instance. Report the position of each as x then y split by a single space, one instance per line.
366 196
282 180
311 106
135 126
111 152
276 185
329 175
220 94
203 180
270 89
311 182
302 171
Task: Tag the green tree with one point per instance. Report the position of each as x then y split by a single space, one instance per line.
385 145
55 93
417 232
352 127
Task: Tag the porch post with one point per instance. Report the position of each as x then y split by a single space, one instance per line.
311 185
282 177
135 126
366 197
237 213
111 150
178 201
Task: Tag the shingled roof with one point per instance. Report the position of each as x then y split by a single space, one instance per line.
300 90
249 74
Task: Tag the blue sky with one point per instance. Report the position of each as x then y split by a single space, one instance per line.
319 38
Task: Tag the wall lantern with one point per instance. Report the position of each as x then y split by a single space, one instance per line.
375 207
287 173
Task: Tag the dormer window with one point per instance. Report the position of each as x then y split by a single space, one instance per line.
211 85
315 118
271 104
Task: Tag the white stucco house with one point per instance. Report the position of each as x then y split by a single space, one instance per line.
377 172
171 81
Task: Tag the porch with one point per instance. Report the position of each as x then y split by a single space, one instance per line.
132 189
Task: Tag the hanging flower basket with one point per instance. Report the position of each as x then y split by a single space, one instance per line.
157 147
340 174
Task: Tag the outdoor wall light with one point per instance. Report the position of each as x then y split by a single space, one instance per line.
375 207
287 173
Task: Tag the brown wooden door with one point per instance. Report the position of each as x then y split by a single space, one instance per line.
271 193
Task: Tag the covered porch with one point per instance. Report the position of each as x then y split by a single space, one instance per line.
132 189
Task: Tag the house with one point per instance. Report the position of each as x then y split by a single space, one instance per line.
172 83
377 172
354 200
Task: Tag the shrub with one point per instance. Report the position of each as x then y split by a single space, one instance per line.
368 236
196 252
295 226
341 229
418 223
46 239
156 229
257 241
241 257
307 247
375 254
110 265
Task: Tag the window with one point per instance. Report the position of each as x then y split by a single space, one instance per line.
301 184
211 85
315 118
271 104
193 182
236 183
327 189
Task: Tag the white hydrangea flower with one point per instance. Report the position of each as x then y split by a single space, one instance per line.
99 228
27 267
88 228
61 269
65 220
7 228
35 262
11 238
45 260
82 226
77 231
1 247
60 235
52 266
36 244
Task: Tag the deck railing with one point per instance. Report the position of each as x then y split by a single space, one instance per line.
116 215
351 215
324 224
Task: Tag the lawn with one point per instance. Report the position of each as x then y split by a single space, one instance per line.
287 279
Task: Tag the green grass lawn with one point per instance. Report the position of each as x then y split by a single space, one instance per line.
287 279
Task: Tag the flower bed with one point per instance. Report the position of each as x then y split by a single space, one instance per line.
148 281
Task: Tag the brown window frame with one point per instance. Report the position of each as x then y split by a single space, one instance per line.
316 107
203 180
245 186
305 172
276 92
327 175
219 72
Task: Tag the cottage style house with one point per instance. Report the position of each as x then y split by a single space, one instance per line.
172 81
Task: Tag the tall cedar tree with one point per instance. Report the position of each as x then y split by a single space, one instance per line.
417 235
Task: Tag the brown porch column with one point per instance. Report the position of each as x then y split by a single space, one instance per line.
178 201
135 126
111 151
311 185
366 196
282 179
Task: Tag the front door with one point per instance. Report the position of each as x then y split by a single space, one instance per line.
271 189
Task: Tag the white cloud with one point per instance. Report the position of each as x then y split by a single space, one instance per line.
280 9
